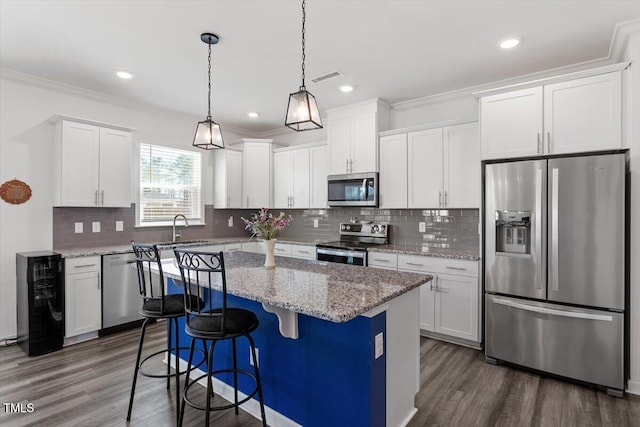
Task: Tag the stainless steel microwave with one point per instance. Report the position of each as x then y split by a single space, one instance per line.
354 189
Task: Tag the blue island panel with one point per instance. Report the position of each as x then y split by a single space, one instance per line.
328 376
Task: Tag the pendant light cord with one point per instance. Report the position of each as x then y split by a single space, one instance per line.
209 98
304 18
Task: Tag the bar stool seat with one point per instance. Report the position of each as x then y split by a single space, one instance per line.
173 306
205 271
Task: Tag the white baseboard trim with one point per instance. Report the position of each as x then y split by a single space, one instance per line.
633 387
274 418
80 338
411 414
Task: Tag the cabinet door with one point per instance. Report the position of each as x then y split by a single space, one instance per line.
364 144
115 168
233 179
462 180
584 114
83 306
427 300
318 177
257 175
282 175
339 136
300 178
393 171
79 169
424 150
511 124
456 306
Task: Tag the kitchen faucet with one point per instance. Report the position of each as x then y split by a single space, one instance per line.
186 224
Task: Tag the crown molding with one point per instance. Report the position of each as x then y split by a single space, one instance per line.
620 38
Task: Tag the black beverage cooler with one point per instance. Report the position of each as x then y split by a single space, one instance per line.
40 302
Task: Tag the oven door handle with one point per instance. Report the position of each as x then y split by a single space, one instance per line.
354 254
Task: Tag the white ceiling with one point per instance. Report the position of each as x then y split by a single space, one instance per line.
395 50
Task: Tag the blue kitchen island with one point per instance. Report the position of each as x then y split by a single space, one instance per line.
338 344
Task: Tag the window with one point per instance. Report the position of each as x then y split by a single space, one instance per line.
169 185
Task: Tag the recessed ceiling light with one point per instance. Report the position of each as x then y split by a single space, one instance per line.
124 75
346 88
509 43
253 114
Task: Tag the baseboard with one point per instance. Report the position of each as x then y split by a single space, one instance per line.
80 338
409 417
225 391
452 340
633 387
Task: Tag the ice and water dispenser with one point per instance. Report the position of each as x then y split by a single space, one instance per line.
513 232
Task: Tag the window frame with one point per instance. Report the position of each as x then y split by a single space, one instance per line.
138 184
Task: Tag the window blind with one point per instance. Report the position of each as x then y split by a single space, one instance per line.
169 184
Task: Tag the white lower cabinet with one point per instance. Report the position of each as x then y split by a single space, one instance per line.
449 303
83 295
250 247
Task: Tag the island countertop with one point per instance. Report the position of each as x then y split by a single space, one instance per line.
328 291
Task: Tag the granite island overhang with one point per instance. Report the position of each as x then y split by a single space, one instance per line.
342 348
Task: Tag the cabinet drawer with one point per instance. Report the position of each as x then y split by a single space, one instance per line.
82 264
306 252
231 247
208 248
282 249
415 263
250 246
438 265
383 260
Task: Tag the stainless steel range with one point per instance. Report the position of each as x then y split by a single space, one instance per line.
355 239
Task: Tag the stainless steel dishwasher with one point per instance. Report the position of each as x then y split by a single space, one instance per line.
121 300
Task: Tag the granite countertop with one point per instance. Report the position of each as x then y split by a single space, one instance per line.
329 291
123 249
417 249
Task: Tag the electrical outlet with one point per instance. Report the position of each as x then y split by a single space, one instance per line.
257 357
422 227
230 222
315 223
95 227
119 225
379 351
79 227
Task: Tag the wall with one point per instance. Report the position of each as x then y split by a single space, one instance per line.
26 142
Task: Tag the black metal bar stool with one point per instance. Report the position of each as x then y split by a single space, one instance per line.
205 271
157 305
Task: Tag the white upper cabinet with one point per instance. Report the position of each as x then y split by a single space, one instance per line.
393 171
352 133
511 124
461 166
424 150
92 165
228 179
571 116
256 174
584 114
291 179
318 177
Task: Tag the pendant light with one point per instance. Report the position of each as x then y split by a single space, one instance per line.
208 135
302 112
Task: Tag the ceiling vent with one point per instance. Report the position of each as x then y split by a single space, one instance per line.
331 75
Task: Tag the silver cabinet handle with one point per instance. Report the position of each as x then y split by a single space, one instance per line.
96 197
102 197
347 167
98 280
350 165
84 266
554 229
456 268
540 282
445 198
381 260
551 311
439 199
549 142
292 201
247 201
415 263
228 200
538 142
304 252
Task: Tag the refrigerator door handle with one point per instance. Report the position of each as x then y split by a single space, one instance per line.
544 310
539 190
554 229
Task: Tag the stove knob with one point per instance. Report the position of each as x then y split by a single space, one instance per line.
375 228
382 228
343 227
348 227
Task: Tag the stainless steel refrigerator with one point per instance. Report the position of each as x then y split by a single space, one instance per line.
554 248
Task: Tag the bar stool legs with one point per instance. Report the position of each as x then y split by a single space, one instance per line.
135 371
256 371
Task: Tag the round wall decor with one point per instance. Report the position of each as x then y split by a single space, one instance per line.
15 192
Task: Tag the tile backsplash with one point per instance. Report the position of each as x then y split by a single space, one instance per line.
455 229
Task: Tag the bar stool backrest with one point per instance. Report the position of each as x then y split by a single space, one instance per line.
150 284
203 271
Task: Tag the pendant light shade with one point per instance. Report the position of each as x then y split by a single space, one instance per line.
208 134
302 111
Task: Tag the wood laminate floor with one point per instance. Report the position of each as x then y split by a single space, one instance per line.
88 385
